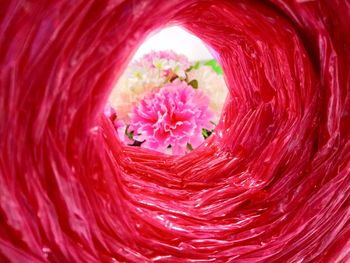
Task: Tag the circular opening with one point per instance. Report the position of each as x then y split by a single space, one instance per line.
170 97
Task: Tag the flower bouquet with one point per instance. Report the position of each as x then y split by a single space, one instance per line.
166 103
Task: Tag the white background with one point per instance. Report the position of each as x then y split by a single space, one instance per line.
178 40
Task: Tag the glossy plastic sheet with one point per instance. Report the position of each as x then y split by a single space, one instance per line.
271 185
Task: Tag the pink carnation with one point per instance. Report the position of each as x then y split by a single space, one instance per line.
174 115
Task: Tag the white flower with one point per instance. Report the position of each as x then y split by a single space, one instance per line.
159 63
213 85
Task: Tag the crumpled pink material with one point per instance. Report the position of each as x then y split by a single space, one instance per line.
272 184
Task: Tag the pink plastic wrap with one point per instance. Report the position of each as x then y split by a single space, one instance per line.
272 184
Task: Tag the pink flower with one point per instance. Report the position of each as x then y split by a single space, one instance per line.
173 116
167 55
118 124
167 63
144 75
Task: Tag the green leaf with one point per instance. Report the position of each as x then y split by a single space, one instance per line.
194 66
194 83
206 133
215 66
129 134
189 146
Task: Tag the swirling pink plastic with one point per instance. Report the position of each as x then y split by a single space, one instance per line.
271 185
